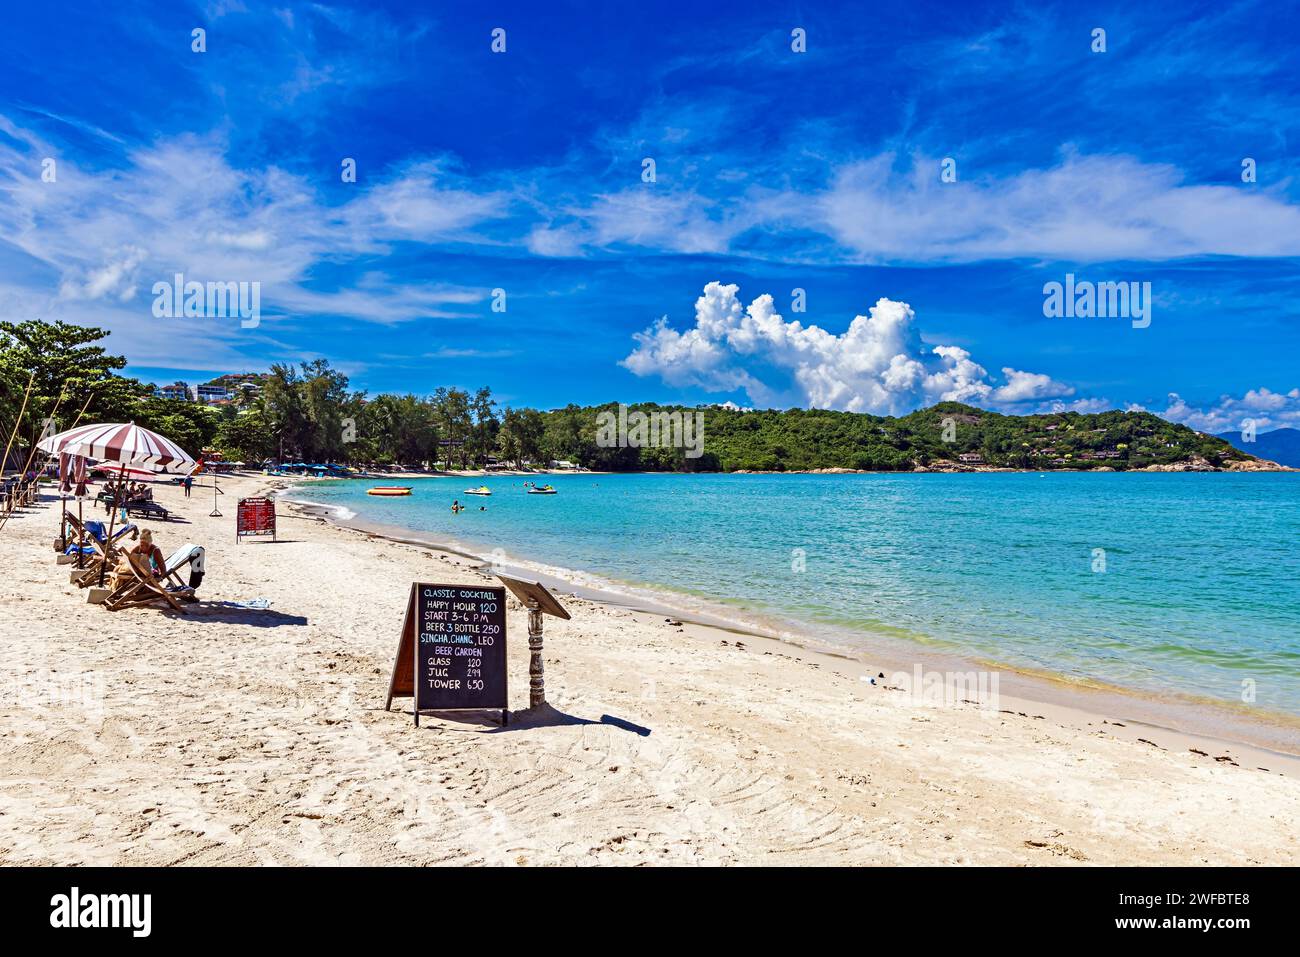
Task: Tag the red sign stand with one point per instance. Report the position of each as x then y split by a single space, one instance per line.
255 516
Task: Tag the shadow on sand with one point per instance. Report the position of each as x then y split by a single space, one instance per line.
544 716
232 613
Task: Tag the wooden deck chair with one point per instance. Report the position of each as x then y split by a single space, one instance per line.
104 552
189 556
88 573
142 589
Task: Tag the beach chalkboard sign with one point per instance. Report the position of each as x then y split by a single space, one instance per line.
452 653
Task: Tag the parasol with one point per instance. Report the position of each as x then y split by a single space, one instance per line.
124 444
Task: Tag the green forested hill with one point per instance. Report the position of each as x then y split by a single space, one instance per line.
803 439
58 371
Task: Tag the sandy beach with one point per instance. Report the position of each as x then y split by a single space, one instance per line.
233 735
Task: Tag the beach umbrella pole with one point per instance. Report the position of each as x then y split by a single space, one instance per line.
112 518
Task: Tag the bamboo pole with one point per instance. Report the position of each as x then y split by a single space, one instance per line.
31 455
4 462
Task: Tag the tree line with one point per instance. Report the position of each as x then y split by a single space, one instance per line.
307 412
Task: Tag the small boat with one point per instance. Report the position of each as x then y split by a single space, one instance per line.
390 490
481 490
543 490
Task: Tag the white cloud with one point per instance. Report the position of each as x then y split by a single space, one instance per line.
417 206
647 216
117 277
877 365
102 238
1269 410
1086 208
1024 386
1089 405
887 209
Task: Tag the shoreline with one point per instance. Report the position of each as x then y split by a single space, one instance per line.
251 729
1235 467
1272 738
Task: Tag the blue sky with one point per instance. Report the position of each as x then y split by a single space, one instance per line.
775 170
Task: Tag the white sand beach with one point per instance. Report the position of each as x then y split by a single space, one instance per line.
236 736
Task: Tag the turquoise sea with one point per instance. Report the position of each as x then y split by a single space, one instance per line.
1177 583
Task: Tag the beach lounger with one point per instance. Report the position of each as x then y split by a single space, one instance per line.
101 551
191 555
147 510
142 589
98 531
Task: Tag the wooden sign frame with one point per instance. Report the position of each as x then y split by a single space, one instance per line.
405 678
529 591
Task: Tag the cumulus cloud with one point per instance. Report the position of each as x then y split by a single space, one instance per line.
877 365
1025 386
1268 410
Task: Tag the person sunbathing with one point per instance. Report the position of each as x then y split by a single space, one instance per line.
145 548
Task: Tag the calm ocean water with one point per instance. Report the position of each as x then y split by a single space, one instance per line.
1200 589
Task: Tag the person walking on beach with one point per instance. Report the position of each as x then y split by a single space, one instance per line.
189 484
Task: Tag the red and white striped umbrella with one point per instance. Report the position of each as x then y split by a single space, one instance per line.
125 444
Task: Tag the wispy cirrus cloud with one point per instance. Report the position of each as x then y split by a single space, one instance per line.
107 235
1084 209
893 210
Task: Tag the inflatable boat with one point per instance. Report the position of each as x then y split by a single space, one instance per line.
390 490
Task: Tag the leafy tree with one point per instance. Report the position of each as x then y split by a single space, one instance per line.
532 433
66 369
190 425
302 411
508 437
484 432
245 437
455 423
